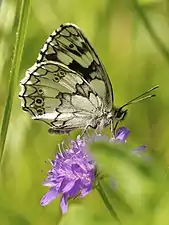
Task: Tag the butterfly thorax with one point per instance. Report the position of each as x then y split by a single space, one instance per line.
101 118
106 118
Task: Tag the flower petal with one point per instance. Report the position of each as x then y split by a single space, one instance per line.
75 189
64 203
78 168
49 196
122 133
85 191
49 183
67 186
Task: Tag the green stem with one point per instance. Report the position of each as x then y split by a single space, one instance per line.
107 203
14 72
160 45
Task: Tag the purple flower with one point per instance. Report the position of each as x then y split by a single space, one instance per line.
121 136
72 175
74 172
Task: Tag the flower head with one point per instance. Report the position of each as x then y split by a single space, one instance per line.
74 172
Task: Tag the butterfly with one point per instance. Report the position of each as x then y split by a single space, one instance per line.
68 86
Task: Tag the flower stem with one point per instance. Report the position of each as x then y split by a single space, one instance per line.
106 201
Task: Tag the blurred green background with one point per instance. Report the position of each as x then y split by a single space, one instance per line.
135 62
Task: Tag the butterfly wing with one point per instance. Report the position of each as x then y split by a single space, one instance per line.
68 45
59 96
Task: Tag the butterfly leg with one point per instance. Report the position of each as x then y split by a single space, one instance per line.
112 128
86 128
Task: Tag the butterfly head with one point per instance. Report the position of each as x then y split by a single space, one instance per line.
120 114
115 117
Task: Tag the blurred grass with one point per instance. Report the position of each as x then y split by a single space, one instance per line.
134 64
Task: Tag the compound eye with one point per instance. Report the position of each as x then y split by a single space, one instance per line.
120 114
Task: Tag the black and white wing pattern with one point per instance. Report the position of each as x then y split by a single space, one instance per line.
67 87
70 47
60 97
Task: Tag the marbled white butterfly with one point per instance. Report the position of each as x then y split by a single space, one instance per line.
68 87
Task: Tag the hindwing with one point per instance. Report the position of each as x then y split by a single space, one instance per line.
60 97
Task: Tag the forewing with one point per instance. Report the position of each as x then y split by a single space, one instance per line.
53 93
69 46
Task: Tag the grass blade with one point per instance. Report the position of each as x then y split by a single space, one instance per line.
14 72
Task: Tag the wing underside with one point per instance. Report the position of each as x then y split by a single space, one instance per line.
67 87
53 93
70 47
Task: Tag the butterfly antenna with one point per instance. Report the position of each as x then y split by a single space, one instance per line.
141 97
